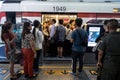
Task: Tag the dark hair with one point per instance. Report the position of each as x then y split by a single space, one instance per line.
54 20
60 21
78 22
68 26
105 22
7 26
25 29
36 24
113 24
71 21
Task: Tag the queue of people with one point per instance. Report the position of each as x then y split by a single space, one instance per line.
33 43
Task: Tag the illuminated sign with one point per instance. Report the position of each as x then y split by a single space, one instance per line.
116 10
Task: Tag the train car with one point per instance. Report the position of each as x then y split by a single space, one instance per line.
44 10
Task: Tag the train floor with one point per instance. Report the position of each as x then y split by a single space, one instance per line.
51 70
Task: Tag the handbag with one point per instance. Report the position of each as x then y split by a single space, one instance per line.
14 54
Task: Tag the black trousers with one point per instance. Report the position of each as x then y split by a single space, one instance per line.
77 56
36 60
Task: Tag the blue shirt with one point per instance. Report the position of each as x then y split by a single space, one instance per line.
76 40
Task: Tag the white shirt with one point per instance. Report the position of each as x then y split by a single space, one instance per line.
52 30
39 39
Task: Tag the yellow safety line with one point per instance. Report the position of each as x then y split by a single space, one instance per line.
62 67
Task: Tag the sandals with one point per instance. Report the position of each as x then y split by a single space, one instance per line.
13 77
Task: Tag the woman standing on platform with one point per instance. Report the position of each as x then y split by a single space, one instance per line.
38 44
28 48
9 37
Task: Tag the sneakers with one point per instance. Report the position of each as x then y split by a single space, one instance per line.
74 74
79 74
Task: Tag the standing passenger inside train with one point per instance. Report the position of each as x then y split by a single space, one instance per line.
77 38
68 44
61 31
46 34
9 37
110 48
52 41
28 49
38 44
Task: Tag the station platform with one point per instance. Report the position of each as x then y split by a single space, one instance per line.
52 70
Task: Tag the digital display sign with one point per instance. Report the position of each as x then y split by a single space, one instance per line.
94 32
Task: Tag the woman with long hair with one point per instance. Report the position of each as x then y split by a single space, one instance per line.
9 37
38 44
28 49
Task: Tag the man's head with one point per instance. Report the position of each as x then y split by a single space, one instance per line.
78 22
61 21
105 25
53 21
112 24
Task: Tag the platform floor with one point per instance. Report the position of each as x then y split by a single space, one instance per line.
51 70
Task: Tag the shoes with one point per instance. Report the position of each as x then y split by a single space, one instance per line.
31 77
36 72
26 76
74 74
79 74
13 77
60 56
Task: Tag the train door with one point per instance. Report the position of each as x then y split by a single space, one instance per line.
52 51
65 17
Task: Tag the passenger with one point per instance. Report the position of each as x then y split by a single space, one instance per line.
9 37
38 44
61 38
77 49
52 48
72 24
46 38
110 47
101 37
68 44
28 49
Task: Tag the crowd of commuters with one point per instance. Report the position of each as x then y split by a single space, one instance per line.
63 32
63 39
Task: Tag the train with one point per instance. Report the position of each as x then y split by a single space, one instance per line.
45 10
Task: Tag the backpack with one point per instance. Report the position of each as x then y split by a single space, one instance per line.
83 41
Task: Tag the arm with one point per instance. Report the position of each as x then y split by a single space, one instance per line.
8 41
32 44
100 55
72 38
40 36
14 37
